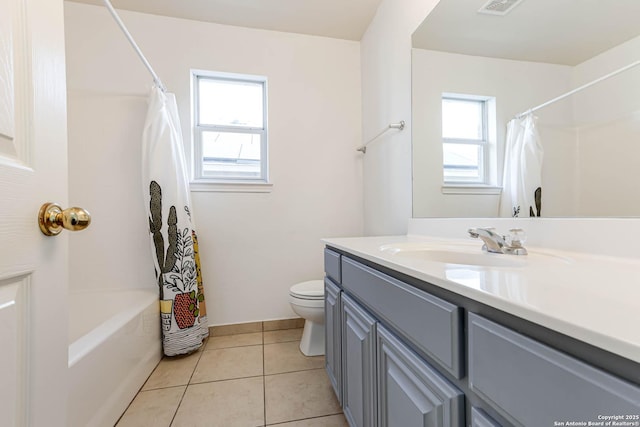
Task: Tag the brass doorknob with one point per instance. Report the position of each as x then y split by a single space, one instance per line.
52 219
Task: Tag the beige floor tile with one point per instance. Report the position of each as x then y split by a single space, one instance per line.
173 371
239 340
241 328
234 403
330 421
274 325
299 395
152 408
286 357
283 335
228 363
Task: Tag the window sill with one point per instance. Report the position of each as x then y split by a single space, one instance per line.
471 189
230 187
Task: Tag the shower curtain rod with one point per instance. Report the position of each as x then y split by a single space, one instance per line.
113 12
578 89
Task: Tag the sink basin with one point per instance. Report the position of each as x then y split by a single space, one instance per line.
481 259
463 253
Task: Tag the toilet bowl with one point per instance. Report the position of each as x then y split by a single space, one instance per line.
307 301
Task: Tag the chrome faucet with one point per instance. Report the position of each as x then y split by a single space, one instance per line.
495 243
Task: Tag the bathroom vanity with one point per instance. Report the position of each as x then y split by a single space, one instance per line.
428 332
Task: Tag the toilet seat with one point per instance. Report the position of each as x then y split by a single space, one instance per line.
310 290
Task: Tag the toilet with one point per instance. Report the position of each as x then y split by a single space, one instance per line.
307 301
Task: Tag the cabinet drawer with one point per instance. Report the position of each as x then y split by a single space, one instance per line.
431 325
332 265
533 384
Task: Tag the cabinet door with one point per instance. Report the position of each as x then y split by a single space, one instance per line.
411 392
358 364
333 337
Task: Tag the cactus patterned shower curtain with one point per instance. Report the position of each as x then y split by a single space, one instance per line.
173 238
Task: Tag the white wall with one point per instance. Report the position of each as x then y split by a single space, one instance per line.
517 86
253 246
386 98
608 120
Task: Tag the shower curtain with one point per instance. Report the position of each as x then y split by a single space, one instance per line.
522 181
173 237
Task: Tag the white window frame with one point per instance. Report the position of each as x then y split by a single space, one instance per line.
234 183
486 184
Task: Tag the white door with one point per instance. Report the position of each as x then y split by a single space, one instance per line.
33 165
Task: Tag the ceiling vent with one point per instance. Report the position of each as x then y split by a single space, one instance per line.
498 7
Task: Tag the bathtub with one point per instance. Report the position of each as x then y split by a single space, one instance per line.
114 344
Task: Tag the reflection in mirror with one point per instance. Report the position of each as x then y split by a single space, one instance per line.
515 61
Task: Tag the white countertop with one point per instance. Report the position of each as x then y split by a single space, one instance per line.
595 299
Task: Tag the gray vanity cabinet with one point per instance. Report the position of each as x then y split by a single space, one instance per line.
333 336
410 391
358 364
400 356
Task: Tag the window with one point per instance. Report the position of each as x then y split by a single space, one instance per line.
466 139
229 128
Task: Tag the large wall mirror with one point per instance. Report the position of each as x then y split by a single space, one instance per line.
512 62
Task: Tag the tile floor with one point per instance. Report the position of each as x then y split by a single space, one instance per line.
247 379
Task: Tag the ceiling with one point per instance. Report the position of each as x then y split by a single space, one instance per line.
566 32
329 18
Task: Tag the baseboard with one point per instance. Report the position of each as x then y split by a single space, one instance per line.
247 328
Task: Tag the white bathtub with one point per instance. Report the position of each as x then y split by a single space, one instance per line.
114 344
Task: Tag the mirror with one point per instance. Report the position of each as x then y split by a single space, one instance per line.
538 50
